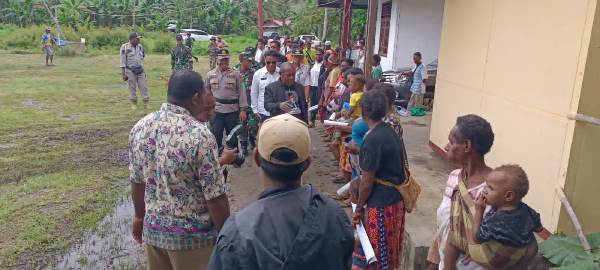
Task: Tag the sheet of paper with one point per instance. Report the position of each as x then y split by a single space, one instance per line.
364 241
335 123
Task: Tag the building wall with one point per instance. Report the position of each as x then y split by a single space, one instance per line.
583 174
415 25
520 65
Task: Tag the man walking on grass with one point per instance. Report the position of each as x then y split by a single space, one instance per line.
48 42
181 56
178 190
132 69
290 226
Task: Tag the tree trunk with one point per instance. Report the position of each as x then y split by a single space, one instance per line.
370 46
324 38
54 18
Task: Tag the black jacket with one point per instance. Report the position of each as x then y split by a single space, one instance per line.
275 93
286 229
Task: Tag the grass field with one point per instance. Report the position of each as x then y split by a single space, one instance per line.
63 155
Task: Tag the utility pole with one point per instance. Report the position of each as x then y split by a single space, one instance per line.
261 19
324 37
370 46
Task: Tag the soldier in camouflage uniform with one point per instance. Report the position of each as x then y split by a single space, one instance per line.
189 42
181 56
246 69
212 52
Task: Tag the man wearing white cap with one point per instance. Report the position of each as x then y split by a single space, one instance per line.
48 42
290 226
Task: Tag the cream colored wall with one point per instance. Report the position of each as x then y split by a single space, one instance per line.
518 64
583 174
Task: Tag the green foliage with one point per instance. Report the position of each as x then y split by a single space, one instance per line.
567 252
68 52
163 45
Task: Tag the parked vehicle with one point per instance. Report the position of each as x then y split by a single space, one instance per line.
402 84
270 34
309 37
197 35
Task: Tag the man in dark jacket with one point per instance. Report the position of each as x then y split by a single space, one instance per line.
285 95
290 226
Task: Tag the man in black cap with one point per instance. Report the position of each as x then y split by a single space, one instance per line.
231 101
132 69
181 56
286 95
290 226
246 69
212 52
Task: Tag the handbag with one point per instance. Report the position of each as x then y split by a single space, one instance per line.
136 70
409 189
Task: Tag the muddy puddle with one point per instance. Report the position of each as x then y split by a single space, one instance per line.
109 246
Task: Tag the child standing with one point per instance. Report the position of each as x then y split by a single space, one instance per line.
510 222
356 86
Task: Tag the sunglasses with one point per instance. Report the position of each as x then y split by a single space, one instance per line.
271 63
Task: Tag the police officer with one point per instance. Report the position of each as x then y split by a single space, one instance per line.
246 69
181 56
212 52
132 69
231 100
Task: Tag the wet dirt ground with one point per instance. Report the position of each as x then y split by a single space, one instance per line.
111 246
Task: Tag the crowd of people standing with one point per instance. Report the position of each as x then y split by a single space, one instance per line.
277 93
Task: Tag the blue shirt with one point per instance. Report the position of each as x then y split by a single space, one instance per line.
419 74
359 129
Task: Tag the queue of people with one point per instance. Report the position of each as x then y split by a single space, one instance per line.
180 193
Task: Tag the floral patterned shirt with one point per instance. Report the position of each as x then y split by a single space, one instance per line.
176 157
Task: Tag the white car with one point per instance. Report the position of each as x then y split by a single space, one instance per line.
313 38
197 35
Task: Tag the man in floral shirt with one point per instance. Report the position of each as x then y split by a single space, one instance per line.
178 190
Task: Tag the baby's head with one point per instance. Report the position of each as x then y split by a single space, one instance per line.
506 186
357 83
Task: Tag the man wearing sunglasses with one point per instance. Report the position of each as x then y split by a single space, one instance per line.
263 77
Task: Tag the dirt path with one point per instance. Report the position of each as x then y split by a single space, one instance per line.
111 245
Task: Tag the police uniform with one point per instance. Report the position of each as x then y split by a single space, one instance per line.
181 57
132 59
226 86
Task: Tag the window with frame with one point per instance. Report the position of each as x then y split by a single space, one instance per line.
384 34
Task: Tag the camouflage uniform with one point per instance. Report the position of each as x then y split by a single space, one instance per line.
251 124
181 58
189 42
212 52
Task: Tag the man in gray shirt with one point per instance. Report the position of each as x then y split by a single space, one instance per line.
132 69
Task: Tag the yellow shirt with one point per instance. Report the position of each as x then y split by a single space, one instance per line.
355 103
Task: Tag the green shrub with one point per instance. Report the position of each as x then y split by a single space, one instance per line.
163 46
68 52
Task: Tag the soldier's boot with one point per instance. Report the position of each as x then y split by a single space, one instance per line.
146 104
